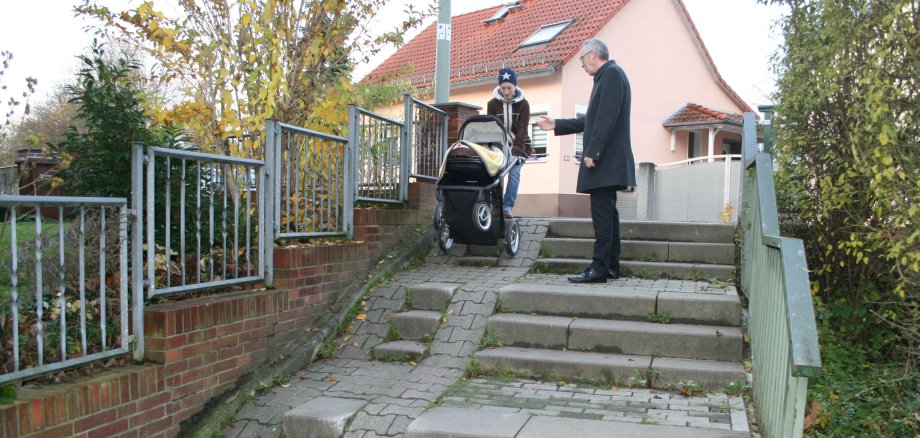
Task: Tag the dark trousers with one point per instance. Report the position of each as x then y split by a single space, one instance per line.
606 221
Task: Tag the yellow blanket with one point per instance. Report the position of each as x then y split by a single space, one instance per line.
493 159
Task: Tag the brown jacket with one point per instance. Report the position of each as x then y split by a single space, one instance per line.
519 110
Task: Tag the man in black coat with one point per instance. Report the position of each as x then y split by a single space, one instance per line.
607 164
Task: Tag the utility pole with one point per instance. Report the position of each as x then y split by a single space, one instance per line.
442 58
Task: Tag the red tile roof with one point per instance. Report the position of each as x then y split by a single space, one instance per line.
694 114
479 49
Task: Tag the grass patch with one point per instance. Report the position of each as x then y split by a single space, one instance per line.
500 306
392 333
545 251
860 396
734 388
326 350
691 389
490 340
663 317
644 378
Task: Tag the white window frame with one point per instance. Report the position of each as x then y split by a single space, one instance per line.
546 33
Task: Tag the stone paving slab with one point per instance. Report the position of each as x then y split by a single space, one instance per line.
321 417
716 412
431 295
449 422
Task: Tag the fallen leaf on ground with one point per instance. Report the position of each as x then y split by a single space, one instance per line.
412 363
329 378
361 316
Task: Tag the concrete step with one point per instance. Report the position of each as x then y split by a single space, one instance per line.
584 301
612 301
401 350
621 337
477 261
686 271
645 250
698 308
431 296
612 368
453 422
321 417
647 230
416 324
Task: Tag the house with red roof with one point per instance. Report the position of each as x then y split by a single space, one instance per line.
682 108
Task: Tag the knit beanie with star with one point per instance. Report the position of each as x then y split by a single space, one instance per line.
507 75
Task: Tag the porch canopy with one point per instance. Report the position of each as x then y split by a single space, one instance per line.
695 117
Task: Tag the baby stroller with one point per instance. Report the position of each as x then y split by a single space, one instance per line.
470 191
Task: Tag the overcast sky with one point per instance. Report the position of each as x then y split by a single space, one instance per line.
45 37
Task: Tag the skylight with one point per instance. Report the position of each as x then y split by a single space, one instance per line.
499 15
546 33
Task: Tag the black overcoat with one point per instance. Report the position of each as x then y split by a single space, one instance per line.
606 132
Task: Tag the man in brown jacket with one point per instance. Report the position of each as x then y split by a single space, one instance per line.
509 105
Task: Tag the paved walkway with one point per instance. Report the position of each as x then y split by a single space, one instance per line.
398 393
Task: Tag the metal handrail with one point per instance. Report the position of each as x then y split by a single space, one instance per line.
704 158
774 275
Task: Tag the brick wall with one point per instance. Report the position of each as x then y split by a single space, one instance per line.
197 349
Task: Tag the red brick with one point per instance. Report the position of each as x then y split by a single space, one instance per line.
154 428
146 417
191 388
225 342
233 351
109 429
176 367
153 400
36 407
10 426
127 409
95 420
64 430
193 350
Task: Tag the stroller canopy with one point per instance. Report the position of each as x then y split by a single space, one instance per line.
487 137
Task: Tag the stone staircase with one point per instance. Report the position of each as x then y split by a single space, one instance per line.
649 249
645 333
417 326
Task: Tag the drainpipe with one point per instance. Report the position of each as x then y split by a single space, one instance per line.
442 59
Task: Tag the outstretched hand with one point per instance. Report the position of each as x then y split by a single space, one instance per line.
546 123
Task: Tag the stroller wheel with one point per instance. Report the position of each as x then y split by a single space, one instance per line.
482 216
438 215
512 237
445 241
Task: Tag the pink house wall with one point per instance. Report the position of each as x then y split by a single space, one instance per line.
667 68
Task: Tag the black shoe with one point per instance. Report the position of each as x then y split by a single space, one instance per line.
613 275
589 276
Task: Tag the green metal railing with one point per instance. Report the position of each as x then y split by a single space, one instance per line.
774 275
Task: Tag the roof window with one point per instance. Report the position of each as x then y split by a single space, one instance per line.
546 33
503 12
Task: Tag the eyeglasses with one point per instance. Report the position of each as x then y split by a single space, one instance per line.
582 57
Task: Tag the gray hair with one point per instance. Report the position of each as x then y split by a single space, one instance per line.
598 47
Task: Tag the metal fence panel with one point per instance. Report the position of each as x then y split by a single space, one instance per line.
311 183
697 190
59 281
784 341
426 129
380 157
203 221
